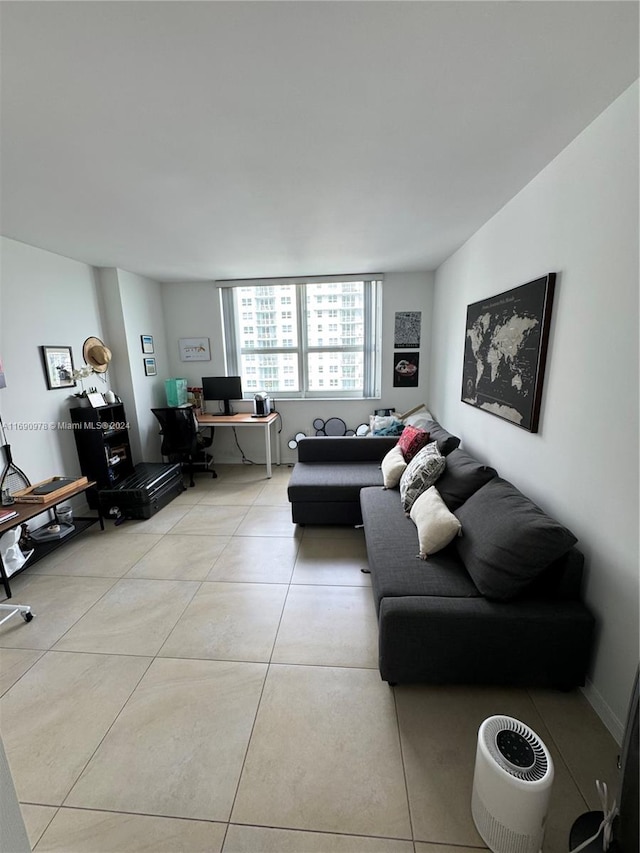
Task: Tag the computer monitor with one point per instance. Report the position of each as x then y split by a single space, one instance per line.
222 388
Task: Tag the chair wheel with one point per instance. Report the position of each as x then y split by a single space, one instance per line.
27 617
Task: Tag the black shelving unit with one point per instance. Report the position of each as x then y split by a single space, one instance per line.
102 441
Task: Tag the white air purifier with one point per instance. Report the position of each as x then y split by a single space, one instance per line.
511 786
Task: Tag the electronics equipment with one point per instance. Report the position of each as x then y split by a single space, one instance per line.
222 388
261 405
53 485
511 786
588 831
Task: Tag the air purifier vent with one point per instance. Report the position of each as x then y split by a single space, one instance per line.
511 786
516 749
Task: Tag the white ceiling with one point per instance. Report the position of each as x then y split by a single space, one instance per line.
203 140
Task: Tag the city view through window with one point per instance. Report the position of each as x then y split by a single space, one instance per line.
296 338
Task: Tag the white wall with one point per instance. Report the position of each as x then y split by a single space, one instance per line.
142 311
579 218
45 299
193 310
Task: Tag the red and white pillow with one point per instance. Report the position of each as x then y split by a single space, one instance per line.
412 440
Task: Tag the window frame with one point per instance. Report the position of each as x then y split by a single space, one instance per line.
370 349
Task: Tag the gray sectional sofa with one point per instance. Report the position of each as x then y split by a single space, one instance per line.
499 605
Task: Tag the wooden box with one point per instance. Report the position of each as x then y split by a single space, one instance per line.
26 496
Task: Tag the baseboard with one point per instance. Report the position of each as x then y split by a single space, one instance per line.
611 721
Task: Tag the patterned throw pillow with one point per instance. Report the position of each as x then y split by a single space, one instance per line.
422 472
411 441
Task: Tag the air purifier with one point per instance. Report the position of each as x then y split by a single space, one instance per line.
511 786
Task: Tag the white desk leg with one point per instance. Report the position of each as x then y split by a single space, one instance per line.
267 434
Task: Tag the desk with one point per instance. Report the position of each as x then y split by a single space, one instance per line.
28 511
246 420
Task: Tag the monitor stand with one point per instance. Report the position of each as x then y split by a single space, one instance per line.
227 410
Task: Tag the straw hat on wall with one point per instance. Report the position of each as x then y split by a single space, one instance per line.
96 354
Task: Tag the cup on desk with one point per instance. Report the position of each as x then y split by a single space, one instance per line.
64 514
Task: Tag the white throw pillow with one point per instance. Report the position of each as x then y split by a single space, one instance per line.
393 466
422 472
436 525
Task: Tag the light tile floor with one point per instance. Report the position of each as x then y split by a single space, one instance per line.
207 681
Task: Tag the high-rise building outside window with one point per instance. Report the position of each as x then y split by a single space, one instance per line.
287 344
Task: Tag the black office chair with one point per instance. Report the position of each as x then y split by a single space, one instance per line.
181 440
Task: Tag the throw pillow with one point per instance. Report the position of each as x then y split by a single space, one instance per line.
436 525
422 472
462 477
446 441
393 466
507 540
411 441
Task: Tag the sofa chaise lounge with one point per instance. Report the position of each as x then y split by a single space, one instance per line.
499 605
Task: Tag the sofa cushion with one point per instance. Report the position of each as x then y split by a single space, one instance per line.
392 552
462 477
446 441
436 525
411 441
344 448
393 467
507 541
422 472
332 481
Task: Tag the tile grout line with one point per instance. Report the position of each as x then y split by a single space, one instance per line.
264 683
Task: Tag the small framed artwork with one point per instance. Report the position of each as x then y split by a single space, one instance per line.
150 367
194 349
147 343
58 367
96 399
407 329
405 369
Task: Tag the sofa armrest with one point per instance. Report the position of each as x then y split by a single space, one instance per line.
345 448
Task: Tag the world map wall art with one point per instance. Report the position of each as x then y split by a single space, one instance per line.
505 352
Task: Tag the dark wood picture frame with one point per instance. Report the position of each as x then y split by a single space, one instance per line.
150 368
58 367
505 352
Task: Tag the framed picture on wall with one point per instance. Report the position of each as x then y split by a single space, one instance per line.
506 341
406 369
150 367
147 343
58 367
194 349
406 333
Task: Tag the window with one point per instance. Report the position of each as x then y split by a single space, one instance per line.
289 345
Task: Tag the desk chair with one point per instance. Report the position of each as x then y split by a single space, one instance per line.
181 440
